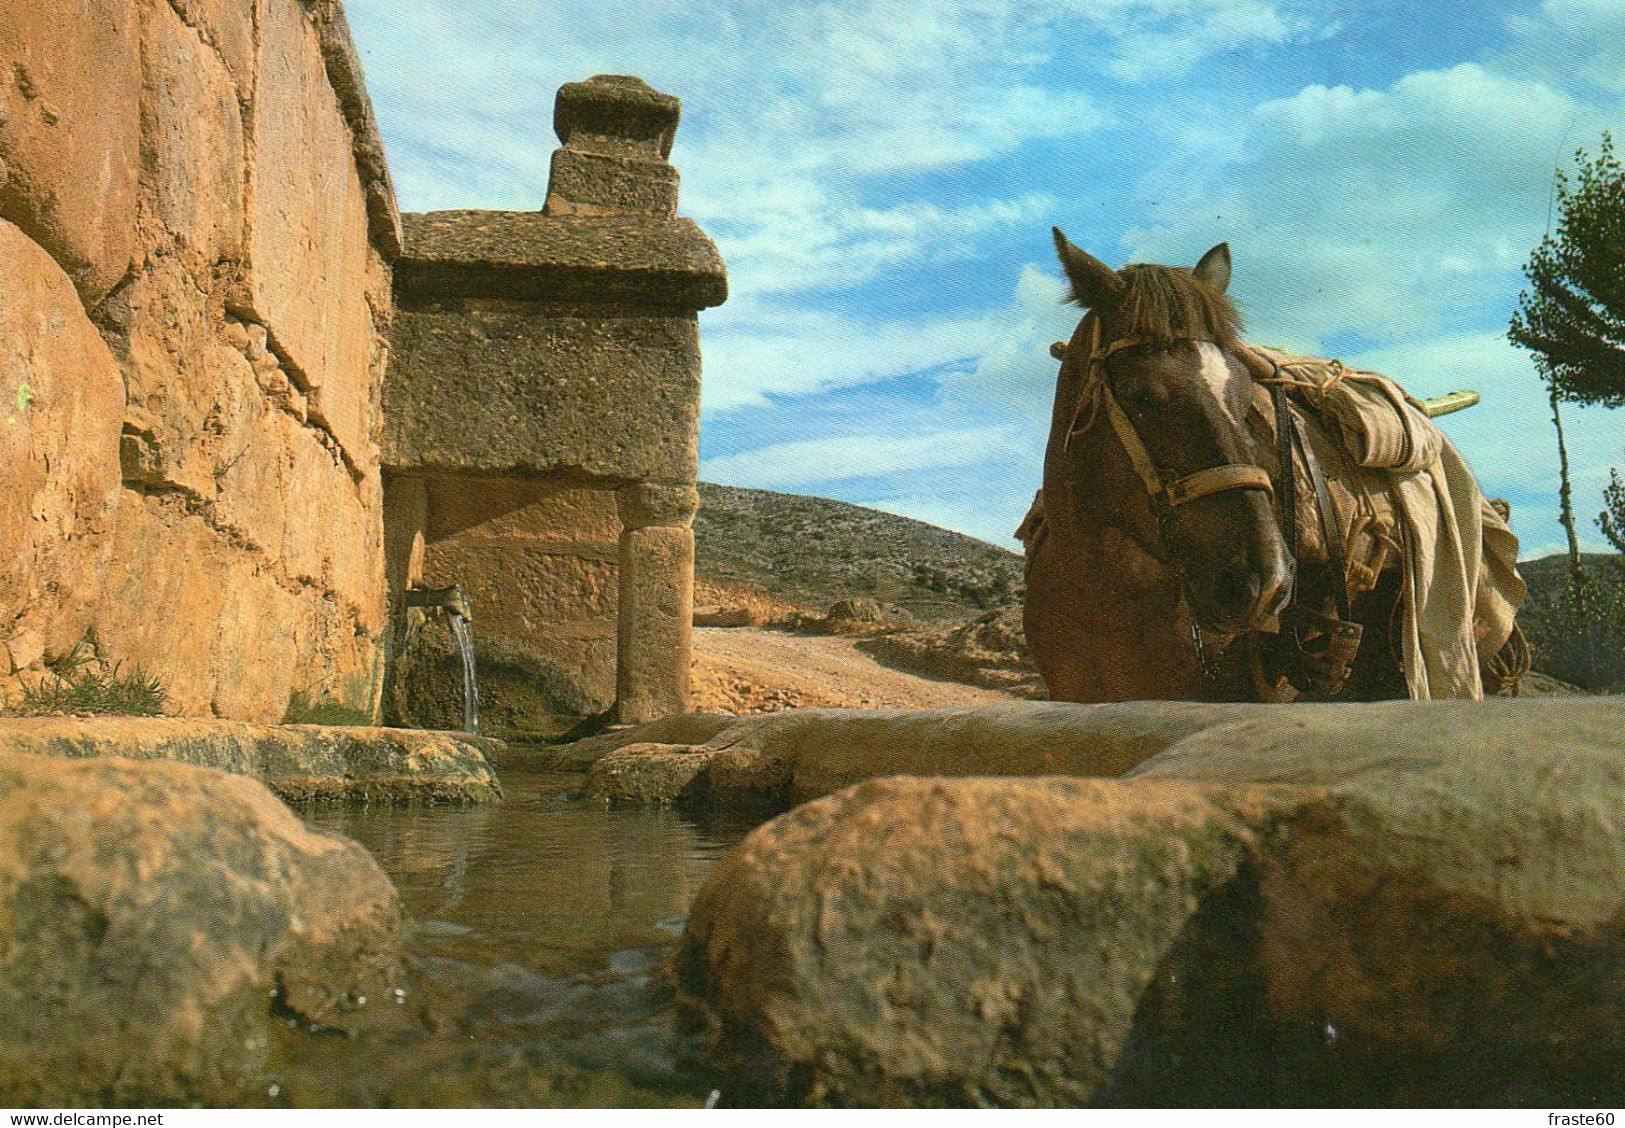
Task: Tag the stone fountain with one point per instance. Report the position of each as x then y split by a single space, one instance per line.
541 412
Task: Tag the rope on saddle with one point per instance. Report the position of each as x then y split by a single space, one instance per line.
1511 663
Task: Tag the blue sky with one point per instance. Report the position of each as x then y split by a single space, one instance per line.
881 178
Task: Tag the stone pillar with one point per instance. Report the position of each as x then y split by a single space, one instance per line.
406 518
656 600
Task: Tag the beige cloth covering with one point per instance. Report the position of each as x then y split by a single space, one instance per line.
1462 589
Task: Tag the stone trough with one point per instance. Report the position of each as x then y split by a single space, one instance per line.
1412 904
300 763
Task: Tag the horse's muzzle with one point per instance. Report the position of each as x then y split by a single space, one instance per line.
1246 594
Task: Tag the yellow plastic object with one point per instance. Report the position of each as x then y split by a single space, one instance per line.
1435 406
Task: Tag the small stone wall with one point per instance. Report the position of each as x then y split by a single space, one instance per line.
196 226
542 412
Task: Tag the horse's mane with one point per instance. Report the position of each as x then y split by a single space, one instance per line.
1163 304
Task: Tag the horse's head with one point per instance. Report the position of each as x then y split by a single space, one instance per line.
1155 375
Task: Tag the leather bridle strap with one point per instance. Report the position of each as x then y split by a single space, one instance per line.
1168 496
1217 479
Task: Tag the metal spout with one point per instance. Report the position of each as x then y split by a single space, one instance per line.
449 599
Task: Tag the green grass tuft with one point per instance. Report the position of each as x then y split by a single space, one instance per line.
76 688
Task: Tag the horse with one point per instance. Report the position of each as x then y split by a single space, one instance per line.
1166 565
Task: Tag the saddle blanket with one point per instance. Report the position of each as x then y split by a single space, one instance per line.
1461 585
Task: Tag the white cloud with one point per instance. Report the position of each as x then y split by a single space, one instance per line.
843 458
807 240
1192 32
794 353
1570 38
1392 212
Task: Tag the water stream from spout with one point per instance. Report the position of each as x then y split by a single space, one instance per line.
471 687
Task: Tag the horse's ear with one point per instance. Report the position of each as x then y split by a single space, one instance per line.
1214 269
1094 284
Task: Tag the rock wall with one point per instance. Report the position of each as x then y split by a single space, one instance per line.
196 230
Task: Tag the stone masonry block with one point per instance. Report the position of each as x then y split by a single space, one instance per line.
61 400
658 503
228 27
305 191
602 184
193 137
650 263
70 132
656 620
497 387
617 114
542 512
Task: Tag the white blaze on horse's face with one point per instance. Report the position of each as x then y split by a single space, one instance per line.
1222 380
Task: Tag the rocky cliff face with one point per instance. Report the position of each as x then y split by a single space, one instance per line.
195 234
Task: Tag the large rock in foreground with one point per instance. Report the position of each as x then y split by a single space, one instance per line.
300 763
1296 907
156 919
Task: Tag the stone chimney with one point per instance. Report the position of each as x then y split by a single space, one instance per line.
616 132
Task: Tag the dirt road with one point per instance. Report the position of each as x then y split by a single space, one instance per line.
746 670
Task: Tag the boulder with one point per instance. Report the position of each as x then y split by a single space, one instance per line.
1448 902
1415 904
300 763
915 942
156 919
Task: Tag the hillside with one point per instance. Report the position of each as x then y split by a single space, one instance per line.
778 552
813 552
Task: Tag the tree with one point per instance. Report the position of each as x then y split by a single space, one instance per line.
1572 316
1612 518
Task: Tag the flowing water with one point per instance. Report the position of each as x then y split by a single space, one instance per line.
471 686
538 930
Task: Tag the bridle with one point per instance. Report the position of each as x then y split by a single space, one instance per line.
1095 398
